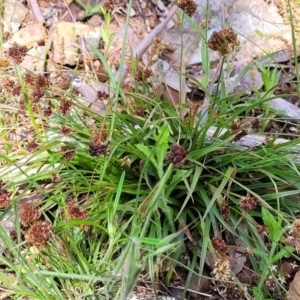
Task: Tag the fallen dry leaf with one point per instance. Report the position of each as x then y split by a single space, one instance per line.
294 289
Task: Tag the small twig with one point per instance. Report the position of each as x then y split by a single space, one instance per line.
146 43
35 8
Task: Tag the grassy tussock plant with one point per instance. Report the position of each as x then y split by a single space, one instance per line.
138 189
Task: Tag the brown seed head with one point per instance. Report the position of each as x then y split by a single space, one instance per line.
65 130
102 95
29 78
37 94
39 233
98 144
17 53
35 107
188 6
109 5
247 203
100 136
219 245
38 82
68 152
74 212
65 106
177 155
223 41
41 81
55 178
31 145
29 214
11 86
8 83
16 91
98 149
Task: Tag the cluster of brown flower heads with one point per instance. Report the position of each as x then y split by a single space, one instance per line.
176 155
37 232
39 83
36 84
223 41
98 143
188 6
17 53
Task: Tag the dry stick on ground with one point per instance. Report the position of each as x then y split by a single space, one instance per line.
36 11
